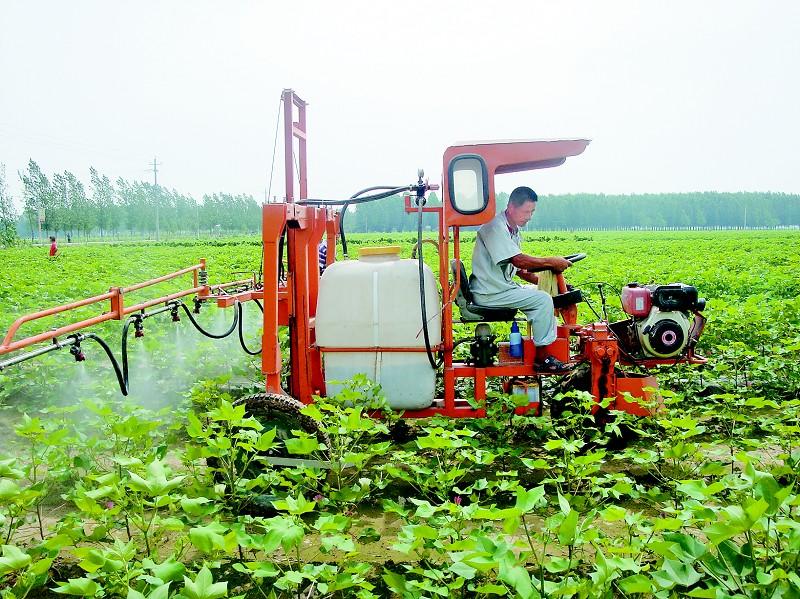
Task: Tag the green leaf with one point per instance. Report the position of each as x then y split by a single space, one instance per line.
203 586
686 548
169 570
675 573
213 536
613 513
13 559
7 469
160 592
8 489
296 506
636 584
81 587
568 529
527 501
519 579
282 531
156 482
198 506
301 445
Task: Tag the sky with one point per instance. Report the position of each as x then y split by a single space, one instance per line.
676 96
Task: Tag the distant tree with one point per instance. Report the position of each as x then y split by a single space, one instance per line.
8 214
58 215
36 194
79 205
106 210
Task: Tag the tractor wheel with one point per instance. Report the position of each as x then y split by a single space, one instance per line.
282 413
581 380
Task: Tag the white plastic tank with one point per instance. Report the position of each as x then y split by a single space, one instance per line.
375 302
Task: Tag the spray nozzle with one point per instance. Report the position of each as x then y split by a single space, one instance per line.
75 350
174 313
138 326
197 304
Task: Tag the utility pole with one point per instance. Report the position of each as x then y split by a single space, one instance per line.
155 188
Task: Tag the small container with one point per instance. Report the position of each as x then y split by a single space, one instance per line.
515 341
529 387
636 300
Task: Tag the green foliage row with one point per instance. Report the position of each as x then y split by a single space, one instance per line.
682 518
153 503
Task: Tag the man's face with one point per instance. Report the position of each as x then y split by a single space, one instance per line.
520 215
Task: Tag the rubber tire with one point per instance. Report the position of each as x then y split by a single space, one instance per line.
581 380
273 406
269 406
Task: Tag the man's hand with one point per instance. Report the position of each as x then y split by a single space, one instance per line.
528 276
559 264
533 264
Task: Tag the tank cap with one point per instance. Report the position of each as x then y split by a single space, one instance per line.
380 252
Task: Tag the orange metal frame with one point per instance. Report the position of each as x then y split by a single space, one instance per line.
117 308
292 302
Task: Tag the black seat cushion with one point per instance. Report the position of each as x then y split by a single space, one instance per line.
466 301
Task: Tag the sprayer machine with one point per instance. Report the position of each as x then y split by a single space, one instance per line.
391 318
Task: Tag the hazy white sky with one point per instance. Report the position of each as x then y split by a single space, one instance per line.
676 96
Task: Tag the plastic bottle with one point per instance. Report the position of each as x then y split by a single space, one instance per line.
515 341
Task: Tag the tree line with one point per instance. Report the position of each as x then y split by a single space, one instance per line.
600 211
62 206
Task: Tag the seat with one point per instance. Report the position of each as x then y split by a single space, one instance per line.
470 311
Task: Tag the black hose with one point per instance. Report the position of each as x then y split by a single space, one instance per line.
138 318
134 318
241 333
281 248
421 264
357 198
123 381
124 375
206 333
354 200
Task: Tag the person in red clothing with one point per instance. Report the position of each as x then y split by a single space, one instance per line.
53 247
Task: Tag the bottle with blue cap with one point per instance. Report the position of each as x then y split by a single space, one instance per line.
515 341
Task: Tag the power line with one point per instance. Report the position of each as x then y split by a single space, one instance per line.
155 187
29 136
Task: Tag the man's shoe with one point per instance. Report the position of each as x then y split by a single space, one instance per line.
552 365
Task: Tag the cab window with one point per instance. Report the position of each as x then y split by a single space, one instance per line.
469 184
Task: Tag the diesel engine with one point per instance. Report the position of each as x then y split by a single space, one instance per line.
665 320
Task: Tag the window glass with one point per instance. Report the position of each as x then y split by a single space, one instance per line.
468 184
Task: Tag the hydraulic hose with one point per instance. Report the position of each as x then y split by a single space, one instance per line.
138 319
123 381
421 264
236 315
357 198
241 333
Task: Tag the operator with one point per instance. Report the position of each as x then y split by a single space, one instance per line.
497 257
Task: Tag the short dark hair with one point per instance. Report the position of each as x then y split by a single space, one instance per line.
521 195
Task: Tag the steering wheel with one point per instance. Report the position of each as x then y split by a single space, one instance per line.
567 301
575 257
